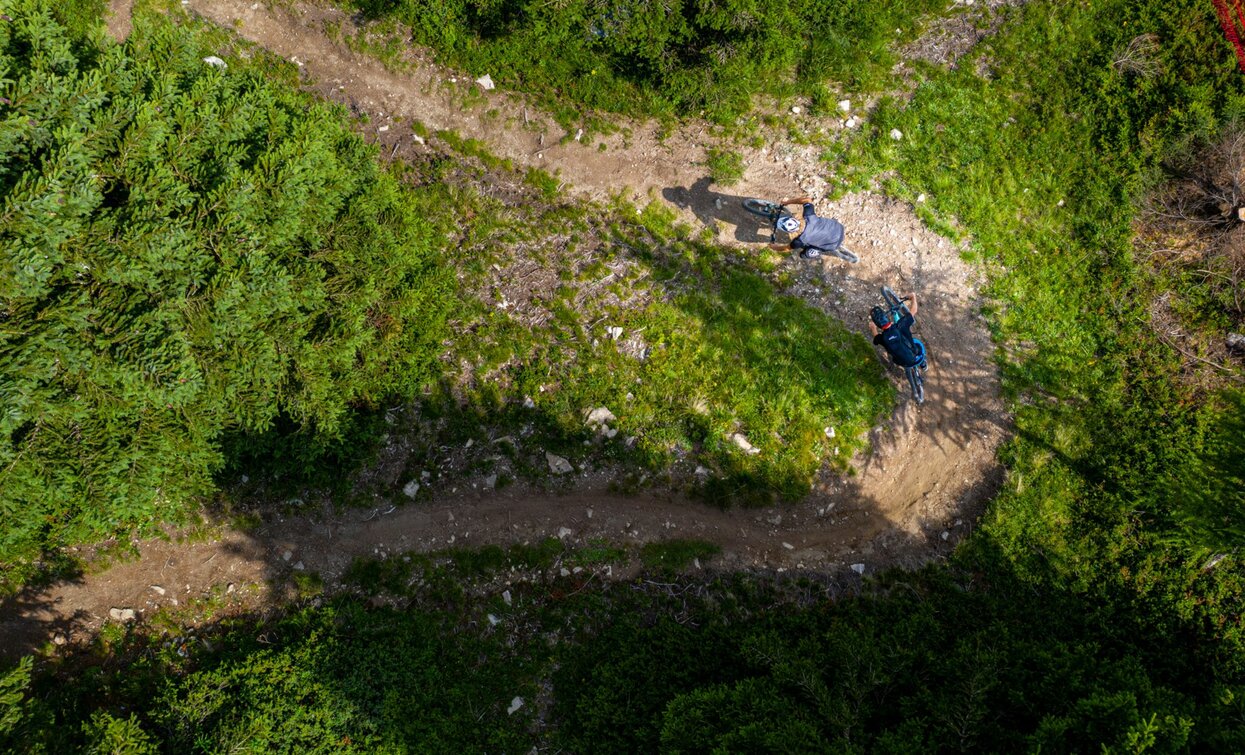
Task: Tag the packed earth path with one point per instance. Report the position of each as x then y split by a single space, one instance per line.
914 496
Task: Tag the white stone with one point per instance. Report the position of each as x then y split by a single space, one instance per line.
486 82
493 620
528 403
564 572
382 129
858 568
739 440
159 590
515 704
788 546
121 614
410 489
589 513
579 134
600 416
287 555
565 532
300 566
945 534
505 597
490 482
216 62
558 464
851 122
795 109
829 432
701 471
845 105
920 198
896 134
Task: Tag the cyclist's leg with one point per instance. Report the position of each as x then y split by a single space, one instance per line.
920 353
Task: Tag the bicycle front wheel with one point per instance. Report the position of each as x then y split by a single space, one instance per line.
762 207
892 300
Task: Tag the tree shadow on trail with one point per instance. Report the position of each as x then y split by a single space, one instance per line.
714 207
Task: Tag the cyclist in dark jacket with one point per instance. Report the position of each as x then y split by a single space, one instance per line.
896 335
818 234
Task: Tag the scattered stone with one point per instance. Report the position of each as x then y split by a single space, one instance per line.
1214 561
229 590
896 134
59 639
505 597
486 82
614 331
564 572
829 432
287 555
795 109
701 471
579 134
382 129
121 614
945 534
577 569
158 589
858 568
775 519
410 489
418 139
845 105
557 464
1236 343
589 513
739 440
920 198
564 532
493 620
490 482
600 416
450 514
515 704
788 546
851 122
528 403
216 62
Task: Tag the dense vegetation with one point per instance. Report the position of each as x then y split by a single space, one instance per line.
663 57
1099 606
185 252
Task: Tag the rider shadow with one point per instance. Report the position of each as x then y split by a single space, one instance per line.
714 207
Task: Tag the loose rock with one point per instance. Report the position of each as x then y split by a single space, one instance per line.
486 82
410 489
216 62
121 614
557 464
739 440
515 704
858 568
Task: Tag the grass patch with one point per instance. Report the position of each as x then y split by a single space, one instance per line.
726 167
676 555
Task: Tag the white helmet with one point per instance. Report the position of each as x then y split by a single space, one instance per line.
788 224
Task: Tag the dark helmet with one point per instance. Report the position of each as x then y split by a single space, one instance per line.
880 318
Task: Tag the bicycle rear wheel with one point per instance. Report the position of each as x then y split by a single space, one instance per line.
917 383
763 207
846 254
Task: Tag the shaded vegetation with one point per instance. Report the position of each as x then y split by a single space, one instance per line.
662 57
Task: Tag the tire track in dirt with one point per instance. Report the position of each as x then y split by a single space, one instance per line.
912 499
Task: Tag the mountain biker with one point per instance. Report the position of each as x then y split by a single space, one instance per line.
896 335
819 234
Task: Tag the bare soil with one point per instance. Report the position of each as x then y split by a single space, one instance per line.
910 501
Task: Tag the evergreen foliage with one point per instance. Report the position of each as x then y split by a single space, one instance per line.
183 251
663 57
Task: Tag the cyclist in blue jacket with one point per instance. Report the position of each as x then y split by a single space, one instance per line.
818 235
895 335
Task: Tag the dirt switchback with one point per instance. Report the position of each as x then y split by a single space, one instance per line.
930 471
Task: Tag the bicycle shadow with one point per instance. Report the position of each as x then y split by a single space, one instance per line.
714 209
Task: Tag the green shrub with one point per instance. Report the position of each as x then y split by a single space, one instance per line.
183 252
663 58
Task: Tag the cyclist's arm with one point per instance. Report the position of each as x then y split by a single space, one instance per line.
873 329
913 306
796 200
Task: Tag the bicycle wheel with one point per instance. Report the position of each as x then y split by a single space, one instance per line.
892 300
917 383
846 254
762 207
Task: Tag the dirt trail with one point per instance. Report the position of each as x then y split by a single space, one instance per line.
913 498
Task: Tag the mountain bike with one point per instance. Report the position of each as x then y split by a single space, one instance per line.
774 213
898 309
